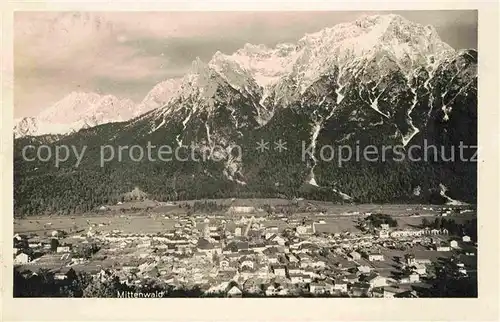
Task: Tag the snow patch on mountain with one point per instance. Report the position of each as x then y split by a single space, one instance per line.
160 95
442 191
413 129
344 196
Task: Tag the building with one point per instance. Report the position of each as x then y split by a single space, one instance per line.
383 234
22 258
419 269
375 280
359 289
304 230
237 231
466 239
277 239
340 286
442 248
454 244
321 287
355 255
247 263
234 292
375 257
407 233
389 293
224 263
382 292
296 278
63 249
279 271
241 210
414 278
410 259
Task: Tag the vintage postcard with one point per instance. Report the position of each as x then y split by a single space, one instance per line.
314 156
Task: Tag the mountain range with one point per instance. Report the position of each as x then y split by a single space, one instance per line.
380 80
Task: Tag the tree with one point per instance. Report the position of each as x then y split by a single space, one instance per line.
54 243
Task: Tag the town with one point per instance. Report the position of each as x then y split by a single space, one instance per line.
253 251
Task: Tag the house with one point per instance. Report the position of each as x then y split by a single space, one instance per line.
384 226
414 278
292 258
234 292
306 278
247 263
283 291
407 294
22 258
205 246
435 231
340 286
410 259
241 210
389 293
466 239
224 263
63 249
442 248
279 271
296 278
18 237
383 234
454 244
364 269
409 278
272 229
419 269
359 289
271 290
321 287
375 257
303 230
273 259
35 244
375 280
277 239
355 255
61 275
318 263
257 247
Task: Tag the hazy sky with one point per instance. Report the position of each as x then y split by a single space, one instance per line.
126 54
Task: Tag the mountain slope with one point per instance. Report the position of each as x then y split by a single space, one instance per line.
380 81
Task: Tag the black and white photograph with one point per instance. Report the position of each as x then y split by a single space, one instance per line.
245 154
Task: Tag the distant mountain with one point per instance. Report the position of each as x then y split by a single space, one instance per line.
76 111
159 96
380 80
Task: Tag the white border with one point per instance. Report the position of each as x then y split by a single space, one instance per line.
483 308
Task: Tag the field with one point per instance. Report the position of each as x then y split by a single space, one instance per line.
139 224
144 217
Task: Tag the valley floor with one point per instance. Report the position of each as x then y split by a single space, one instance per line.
337 251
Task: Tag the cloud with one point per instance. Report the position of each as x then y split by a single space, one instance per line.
127 53
57 52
